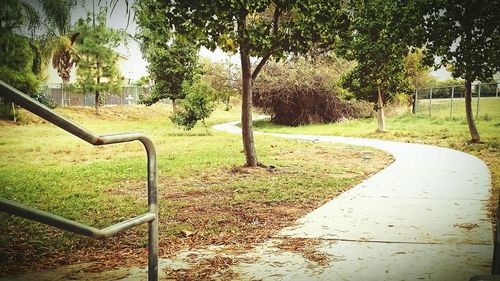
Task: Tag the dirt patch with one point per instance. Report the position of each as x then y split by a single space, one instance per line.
466 226
205 269
305 247
81 113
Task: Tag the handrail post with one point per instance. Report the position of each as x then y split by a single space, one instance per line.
14 95
153 208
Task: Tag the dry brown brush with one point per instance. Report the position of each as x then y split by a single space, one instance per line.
304 92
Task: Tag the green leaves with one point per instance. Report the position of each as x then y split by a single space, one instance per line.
259 26
172 59
197 106
16 62
381 34
58 14
466 35
98 67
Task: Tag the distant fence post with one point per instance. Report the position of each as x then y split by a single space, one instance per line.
451 103
430 103
478 96
62 94
416 102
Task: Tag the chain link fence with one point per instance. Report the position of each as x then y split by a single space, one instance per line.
449 101
67 95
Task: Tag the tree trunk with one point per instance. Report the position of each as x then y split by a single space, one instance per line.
97 95
174 106
246 110
227 104
380 112
468 112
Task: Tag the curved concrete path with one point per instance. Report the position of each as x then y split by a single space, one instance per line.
423 217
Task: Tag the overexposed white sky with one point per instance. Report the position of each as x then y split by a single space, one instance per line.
441 74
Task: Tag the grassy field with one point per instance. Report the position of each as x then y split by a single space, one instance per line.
420 128
205 196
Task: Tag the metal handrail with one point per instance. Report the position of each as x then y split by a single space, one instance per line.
13 95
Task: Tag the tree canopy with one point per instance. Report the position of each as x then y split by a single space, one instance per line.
466 36
197 106
261 29
379 42
61 41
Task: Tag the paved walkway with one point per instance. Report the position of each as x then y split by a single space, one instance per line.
422 218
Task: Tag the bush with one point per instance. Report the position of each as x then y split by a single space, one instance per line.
305 92
43 99
197 106
7 112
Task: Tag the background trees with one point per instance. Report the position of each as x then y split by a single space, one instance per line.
466 35
98 70
259 29
416 71
18 57
224 79
172 61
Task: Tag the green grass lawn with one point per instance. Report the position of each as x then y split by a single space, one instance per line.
205 196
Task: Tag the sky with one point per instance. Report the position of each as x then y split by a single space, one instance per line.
136 67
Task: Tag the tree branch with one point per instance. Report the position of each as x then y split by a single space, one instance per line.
265 58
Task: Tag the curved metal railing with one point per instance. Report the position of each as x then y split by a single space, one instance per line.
13 95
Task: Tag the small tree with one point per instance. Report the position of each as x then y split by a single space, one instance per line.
466 35
224 79
379 43
261 29
172 62
98 68
416 70
197 106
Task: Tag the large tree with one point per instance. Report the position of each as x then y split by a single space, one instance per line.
379 43
260 29
172 62
98 66
466 35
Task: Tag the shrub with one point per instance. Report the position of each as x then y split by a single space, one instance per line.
197 106
304 92
43 99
